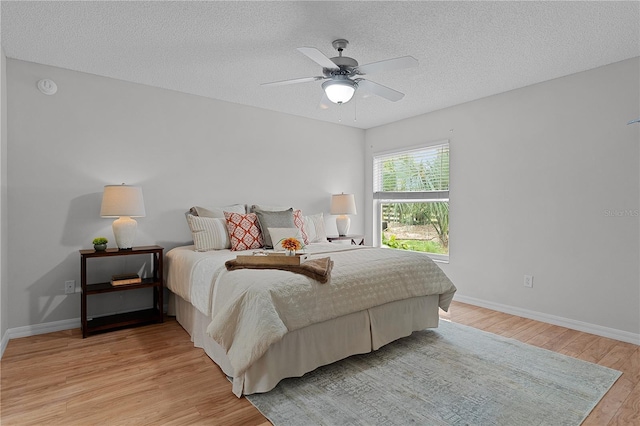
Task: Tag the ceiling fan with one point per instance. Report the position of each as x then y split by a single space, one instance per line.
342 74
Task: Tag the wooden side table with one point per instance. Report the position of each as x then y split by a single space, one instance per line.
156 281
353 237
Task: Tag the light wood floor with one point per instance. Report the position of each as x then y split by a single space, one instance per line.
154 375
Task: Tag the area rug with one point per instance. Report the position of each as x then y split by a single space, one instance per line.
453 375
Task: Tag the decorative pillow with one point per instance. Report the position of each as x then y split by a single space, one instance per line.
208 233
271 219
217 211
297 217
314 227
280 234
244 231
298 220
269 208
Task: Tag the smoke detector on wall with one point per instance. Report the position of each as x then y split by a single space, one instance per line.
48 87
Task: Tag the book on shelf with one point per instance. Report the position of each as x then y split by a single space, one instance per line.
122 279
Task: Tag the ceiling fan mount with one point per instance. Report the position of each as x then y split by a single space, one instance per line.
342 74
345 64
340 44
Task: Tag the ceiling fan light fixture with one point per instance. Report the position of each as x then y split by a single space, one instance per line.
339 91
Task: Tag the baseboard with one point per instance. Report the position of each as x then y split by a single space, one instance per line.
47 327
4 342
598 330
612 333
33 330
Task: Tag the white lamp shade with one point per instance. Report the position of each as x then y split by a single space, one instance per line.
343 204
122 200
340 91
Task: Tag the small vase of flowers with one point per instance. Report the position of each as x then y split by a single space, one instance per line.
100 243
291 245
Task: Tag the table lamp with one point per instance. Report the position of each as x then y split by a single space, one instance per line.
123 202
342 205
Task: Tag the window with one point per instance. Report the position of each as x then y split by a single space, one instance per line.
411 191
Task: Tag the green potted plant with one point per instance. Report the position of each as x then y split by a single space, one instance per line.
100 243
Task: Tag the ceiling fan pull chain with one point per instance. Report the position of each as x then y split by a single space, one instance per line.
355 109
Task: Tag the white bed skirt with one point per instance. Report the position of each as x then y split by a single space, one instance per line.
306 349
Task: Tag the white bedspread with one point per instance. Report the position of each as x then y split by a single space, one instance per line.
192 275
252 309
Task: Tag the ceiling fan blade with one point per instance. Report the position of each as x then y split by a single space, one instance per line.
318 57
325 103
380 90
388 65
293 81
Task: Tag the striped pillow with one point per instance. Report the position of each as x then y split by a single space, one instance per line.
209 233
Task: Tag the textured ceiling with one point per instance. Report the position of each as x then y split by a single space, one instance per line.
224 50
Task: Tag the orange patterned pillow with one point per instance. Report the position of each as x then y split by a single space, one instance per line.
244 231
298 220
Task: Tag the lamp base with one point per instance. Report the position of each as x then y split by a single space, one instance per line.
342 223
124 229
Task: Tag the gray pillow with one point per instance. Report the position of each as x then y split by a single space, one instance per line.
268 219
217 211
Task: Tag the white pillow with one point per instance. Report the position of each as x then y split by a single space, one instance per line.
209 233
280 234
314 227
217 211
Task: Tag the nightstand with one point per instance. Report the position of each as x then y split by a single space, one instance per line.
353 237
156 282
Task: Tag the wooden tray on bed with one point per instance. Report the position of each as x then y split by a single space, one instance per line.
271 259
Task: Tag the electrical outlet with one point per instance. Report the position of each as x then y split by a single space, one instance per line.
69 287
528 281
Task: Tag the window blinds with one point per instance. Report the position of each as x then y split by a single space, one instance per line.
420 174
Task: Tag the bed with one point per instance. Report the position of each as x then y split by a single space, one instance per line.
261 326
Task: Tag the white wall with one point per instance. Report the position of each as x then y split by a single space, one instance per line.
537 174
4 312
545 180
183 149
